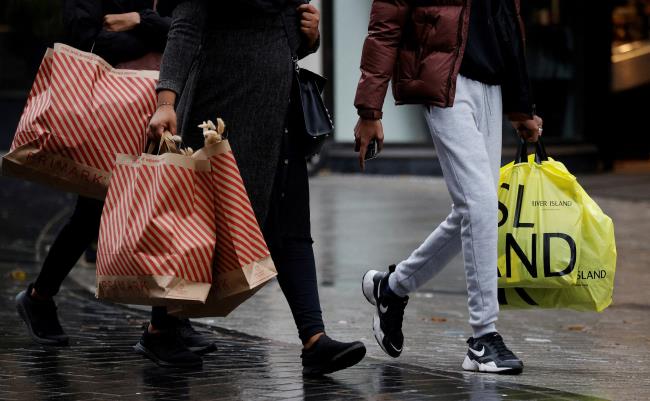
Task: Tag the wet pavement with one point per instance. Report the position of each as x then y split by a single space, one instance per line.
358 222
99 365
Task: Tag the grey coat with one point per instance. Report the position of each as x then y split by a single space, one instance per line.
236 65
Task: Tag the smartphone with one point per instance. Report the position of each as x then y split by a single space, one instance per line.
372 151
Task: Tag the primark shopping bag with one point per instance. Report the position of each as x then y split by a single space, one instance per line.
80 113
549 228
243 262
158 231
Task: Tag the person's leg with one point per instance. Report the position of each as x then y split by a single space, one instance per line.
445 242
472 224
297 278
194 340
468 170
429 258
287 233
162 343
487 352
74 238
161 320
35 304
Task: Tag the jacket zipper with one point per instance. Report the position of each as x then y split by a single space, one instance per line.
460 42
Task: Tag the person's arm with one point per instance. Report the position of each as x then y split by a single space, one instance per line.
387 18
518 100
83 22
87 30
309 28
183 46
154 27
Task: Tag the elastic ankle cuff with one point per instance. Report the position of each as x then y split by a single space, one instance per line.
480 331
395 287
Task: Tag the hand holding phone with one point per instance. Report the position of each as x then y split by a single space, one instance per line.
372 151
368 139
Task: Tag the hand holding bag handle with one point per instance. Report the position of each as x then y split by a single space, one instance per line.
166 144
522 152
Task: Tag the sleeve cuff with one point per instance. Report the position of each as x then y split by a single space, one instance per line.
369 114
166 84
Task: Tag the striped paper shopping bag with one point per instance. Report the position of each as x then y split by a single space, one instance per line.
157 235
79 114
243 262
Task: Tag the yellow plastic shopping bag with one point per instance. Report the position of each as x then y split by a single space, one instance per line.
550 230
595 279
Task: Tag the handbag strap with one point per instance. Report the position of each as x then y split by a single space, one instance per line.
294 43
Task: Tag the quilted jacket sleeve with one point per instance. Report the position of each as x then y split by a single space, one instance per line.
387 19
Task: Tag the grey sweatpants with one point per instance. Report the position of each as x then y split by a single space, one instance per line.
467 138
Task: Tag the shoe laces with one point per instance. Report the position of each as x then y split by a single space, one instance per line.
495 341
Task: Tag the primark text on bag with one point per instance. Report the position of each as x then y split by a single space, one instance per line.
79 114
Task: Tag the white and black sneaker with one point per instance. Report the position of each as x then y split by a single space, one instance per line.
490 354
387 322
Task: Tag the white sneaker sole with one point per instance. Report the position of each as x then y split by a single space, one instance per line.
368 286
474 366
379 334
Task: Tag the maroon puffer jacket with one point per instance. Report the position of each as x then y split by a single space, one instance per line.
420 45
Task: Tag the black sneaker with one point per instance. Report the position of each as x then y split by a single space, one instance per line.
490 354
387 322
195 341
167 350
328 356
41 319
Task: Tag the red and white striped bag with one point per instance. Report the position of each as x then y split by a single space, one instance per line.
157 236
243 262
79 114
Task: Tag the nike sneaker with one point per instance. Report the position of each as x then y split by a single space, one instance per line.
387 322
490 354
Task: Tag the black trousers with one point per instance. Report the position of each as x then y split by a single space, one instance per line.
74 238
288 234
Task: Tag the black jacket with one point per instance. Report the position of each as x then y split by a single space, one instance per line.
83 20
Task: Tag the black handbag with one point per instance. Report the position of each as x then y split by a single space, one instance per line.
310 117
